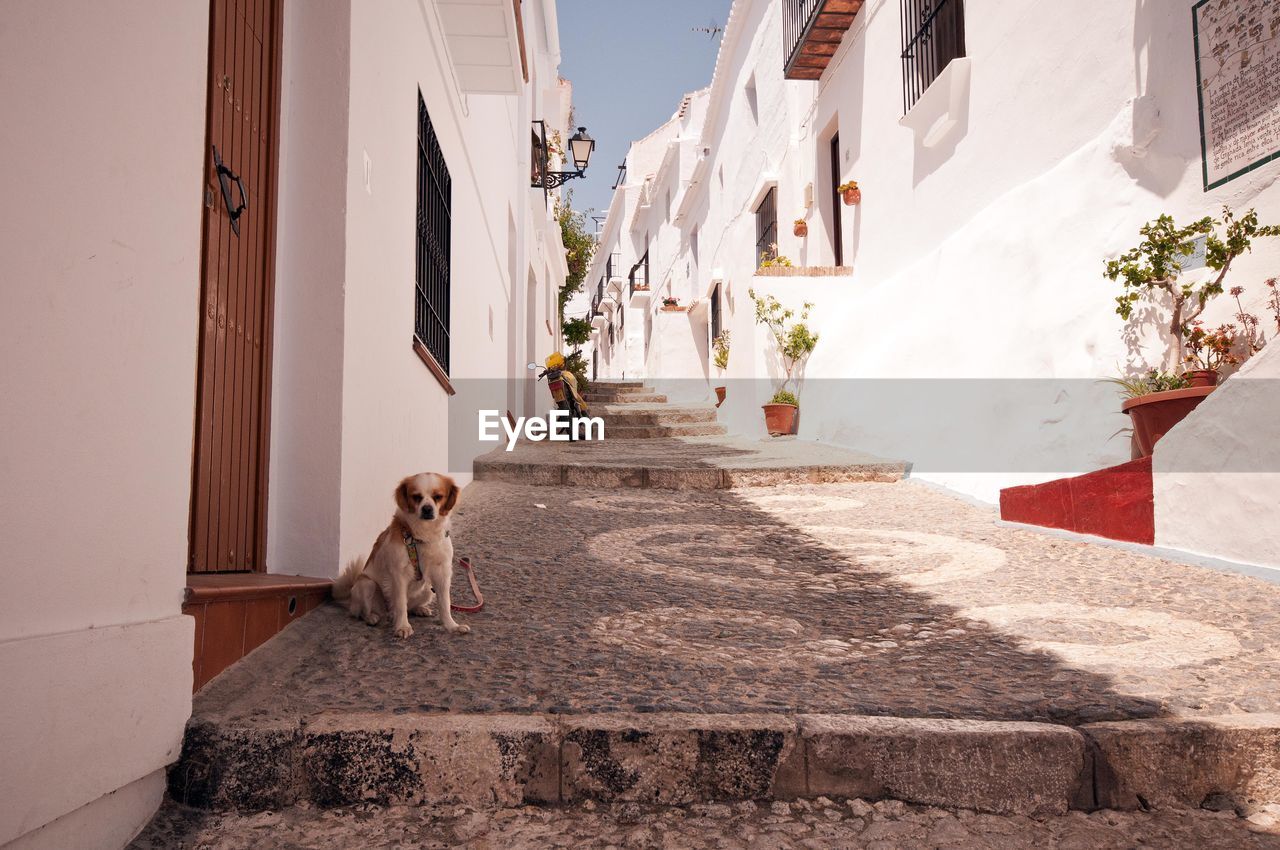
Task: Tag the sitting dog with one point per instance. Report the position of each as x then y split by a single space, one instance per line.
410 559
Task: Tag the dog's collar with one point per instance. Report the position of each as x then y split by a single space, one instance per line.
411 546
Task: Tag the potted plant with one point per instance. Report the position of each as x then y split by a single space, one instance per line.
850 192
795 342
1160 400
670 304
771 259
1156 402
720 357
1154 268
1208 352
800 228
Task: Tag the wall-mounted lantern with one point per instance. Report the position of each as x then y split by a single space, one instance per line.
581 146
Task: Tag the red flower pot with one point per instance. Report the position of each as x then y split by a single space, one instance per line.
801 229
1202 378
852 197
1155 413
779 418
720 396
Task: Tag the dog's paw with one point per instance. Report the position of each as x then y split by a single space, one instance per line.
404 631
421 611
372 619
460 629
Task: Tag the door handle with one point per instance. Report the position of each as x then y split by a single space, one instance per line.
225 176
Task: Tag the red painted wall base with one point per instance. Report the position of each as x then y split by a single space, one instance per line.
1115 502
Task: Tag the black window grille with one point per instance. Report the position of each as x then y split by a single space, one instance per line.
767 226
638 277
435 189
538 165
932 35
611 335
715 312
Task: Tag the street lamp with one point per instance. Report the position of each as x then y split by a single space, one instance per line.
581 146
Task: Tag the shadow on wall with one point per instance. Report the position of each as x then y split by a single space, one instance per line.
930 159
1166 135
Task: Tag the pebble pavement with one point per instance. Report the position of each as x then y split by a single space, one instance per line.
885 599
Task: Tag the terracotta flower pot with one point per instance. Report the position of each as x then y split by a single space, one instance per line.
852 197
779 418
1155 413
720 396
1203 378
801 229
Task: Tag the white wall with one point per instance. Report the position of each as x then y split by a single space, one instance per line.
980 258
355 408
310 290
100 231
1217 474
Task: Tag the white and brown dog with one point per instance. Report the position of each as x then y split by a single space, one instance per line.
411 561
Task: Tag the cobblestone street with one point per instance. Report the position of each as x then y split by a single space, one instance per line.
883 599
822 824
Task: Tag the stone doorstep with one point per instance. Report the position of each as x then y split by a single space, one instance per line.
681 478
677 759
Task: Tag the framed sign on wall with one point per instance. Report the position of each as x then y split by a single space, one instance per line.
1237 44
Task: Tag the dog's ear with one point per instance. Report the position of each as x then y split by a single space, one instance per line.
450 498
402 497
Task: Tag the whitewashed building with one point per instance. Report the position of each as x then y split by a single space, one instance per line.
209 370
1003 154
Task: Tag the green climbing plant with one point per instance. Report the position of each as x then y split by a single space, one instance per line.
579 248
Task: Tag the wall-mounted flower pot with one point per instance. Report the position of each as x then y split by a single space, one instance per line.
720 391
1203 378
801 229
1155 413
674 308
779 418
852 197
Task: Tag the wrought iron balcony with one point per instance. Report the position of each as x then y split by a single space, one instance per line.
812 30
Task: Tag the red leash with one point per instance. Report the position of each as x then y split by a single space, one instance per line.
465 563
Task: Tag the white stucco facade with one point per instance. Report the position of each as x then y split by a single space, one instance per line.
100 308
977 257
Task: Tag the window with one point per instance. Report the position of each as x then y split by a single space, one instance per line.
431 310
932 35
715 312
767 226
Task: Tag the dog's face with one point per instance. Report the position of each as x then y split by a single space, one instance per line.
427 496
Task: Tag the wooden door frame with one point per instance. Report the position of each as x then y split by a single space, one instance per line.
271 206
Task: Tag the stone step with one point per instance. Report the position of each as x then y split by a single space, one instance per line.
655 431
1004 767
658 414
623 386
626 398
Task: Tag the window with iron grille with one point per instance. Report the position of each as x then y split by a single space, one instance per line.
932 35
431 309
767 226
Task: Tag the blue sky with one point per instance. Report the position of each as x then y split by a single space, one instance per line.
630 61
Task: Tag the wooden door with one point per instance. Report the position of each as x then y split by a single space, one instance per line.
837 218
228 505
